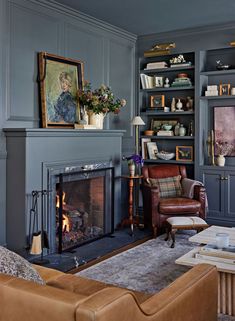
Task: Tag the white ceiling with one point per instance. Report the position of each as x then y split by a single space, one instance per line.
152 16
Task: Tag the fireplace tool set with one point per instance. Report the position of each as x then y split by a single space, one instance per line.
38 238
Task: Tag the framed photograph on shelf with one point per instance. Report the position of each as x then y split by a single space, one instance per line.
157 101
59 80
224 89
184 153
152 150
156 123
224 119
144 150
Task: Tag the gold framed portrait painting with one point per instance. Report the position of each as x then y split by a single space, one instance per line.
59 80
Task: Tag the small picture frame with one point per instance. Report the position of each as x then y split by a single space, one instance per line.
152 150
184 153
224 89
157 101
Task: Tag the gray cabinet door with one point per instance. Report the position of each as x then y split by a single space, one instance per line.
229 195
215 188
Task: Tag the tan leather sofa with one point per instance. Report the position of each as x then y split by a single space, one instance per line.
65 297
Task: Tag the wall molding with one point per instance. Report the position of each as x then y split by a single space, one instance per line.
65 10
189 31
3 155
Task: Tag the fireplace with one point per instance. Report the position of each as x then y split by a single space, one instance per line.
80 205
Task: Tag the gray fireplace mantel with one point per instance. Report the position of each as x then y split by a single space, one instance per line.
31 152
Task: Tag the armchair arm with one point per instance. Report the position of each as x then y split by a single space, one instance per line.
200 195
151 199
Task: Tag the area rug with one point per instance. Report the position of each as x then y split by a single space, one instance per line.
148 267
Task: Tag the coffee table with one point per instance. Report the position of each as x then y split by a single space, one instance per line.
226 271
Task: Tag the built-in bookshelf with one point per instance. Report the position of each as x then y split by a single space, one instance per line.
155 104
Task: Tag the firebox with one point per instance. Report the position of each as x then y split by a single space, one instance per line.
81 205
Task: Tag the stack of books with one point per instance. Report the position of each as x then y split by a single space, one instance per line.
165 133
181 82
183 64
212 90
156 65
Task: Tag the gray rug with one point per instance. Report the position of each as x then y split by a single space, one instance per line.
148 267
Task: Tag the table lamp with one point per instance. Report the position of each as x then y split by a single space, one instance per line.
137 121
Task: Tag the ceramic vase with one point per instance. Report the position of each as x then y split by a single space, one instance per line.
182 130
179 105
97 120
221 160
132 169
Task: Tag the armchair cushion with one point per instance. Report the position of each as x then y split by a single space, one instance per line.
168 187
179 205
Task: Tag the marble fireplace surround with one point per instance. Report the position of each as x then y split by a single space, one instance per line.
30 152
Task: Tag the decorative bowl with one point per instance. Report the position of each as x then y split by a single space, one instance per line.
148 132
165 155
167 127
182 75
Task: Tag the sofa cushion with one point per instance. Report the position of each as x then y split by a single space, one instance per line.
15 265
179 205
168 187
86 287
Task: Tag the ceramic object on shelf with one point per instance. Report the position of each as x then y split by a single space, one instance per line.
167 127
167 85
165 155
148 132
173 105
182 130
179 105
176 129
221 160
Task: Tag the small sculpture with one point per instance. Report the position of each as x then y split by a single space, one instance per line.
167 85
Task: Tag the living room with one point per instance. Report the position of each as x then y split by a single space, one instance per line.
112 48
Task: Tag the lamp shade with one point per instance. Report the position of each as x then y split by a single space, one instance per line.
137 121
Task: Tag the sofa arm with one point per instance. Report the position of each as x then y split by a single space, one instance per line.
193 296
28 301
200 195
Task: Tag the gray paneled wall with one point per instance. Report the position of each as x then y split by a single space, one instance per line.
30 26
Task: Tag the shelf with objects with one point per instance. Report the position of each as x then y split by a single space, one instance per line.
216 132
166 103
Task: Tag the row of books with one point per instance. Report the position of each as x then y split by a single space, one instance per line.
147 82
163 64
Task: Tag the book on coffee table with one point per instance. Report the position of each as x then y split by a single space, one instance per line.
213 251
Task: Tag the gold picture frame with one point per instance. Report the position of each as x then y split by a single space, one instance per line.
184 153
157 101
59 80
224 89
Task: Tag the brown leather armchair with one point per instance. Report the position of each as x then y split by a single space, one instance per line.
157 209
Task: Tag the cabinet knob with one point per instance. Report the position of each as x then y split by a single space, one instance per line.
222 178
225 178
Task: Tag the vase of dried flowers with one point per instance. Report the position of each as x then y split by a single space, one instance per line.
223 148
220 160
98 103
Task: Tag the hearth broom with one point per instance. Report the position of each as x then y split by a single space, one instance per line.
40 239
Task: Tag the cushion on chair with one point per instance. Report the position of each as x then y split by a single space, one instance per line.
179 205
15 265
190 221
168 187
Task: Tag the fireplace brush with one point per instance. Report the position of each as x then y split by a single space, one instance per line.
39 237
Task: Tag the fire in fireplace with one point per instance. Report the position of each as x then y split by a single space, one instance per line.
83 205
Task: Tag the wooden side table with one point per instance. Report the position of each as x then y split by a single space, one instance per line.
131 220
